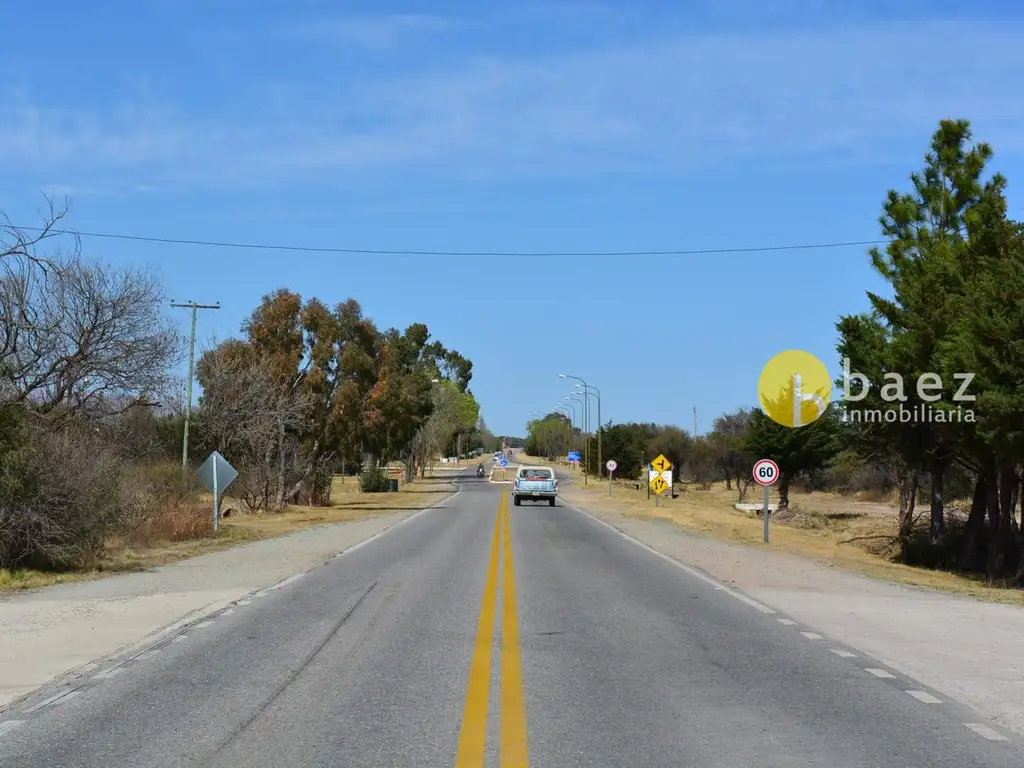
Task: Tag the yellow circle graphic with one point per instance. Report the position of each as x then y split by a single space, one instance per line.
794 388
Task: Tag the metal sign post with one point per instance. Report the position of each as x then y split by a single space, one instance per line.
766 474
659 478
611 465
216 474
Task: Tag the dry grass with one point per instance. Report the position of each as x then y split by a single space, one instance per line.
176 533
854 533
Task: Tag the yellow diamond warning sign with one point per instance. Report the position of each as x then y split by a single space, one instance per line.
659 484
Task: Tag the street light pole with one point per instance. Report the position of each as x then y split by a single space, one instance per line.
596 394
586 390
562 410
574 423
585 406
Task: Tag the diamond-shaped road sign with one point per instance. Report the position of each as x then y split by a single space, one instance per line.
216 474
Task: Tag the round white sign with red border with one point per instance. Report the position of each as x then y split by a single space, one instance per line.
766 472
611 465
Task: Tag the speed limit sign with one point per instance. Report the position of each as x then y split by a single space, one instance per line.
766 472
611 465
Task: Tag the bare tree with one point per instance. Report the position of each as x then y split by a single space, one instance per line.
19 246
249 417
84 338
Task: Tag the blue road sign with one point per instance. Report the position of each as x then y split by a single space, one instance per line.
503 462
574 456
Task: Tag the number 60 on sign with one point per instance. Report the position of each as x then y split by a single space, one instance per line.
766 472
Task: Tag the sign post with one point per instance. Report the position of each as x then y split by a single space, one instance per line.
766 474
611 465
660 477
503 463
216 474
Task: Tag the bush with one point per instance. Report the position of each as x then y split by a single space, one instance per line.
61 496
374 480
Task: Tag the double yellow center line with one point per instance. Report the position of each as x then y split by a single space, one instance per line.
473 735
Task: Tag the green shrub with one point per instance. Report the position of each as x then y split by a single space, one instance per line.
373 480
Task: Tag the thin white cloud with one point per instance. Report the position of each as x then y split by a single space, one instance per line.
377 31
669 104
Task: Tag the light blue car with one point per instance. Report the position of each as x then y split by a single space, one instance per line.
535 484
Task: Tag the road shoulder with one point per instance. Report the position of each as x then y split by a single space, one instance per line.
62 631
959 646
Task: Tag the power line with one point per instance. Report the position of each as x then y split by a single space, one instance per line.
404 252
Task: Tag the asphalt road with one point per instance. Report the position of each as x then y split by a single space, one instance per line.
414 651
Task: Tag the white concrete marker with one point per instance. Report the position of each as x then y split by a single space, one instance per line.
881 673
984 730
811 635
844 654
787 622
924 697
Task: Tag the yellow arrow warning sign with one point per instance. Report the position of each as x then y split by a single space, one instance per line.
660 464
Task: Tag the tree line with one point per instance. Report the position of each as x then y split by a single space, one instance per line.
311 390
92 403
954 265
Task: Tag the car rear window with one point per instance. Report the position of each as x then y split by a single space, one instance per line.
538 474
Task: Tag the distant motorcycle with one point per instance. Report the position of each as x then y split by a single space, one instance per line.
479 470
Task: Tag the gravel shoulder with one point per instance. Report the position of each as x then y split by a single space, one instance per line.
65 629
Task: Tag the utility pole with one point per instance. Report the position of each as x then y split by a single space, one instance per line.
695 421
191 373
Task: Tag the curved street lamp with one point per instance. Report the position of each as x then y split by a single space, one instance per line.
585 411
587 393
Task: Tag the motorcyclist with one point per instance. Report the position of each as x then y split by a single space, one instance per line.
479 470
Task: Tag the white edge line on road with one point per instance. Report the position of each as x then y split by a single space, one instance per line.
880 673
925 697
843 654
692 571
9 725
811 635
58 697
787 622
285 582
983 730
390 528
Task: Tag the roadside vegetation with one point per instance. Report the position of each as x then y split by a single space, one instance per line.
945 494
315 406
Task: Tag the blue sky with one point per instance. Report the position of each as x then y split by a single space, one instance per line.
483 127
